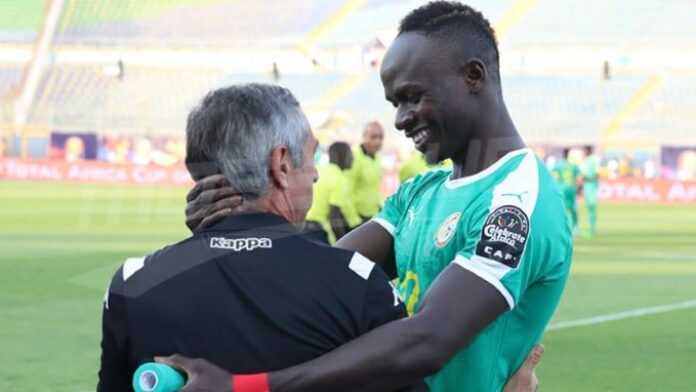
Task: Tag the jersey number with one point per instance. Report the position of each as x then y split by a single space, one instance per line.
410 291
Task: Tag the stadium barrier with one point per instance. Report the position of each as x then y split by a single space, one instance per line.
624 190
93 172
648 191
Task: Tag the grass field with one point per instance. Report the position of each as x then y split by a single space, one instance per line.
61 243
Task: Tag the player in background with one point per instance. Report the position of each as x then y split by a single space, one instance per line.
567 175
482 251
333 211
590 187
415 164
366 173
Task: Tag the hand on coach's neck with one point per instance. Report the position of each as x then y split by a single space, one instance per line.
275 202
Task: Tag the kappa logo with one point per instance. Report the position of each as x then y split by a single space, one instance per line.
447 230
240 244
504 236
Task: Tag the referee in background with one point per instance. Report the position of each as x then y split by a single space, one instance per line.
250 293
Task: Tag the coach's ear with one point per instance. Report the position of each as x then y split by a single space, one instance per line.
280 166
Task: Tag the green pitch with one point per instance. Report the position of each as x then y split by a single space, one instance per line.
61 243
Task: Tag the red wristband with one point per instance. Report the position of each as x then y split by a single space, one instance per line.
250 382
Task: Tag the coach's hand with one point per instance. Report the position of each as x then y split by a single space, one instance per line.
211 199
525 380
202 376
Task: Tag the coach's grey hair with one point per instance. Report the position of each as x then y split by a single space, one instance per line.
234 129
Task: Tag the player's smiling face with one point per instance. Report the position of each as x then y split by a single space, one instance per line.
432 100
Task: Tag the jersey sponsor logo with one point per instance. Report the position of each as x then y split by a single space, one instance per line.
447 230
504 235
240 244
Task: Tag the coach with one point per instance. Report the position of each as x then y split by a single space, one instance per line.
249 293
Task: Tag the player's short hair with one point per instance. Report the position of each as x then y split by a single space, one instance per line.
458 25
233 130
566 152
338 153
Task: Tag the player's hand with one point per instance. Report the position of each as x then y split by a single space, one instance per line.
202 376
211 199
525 380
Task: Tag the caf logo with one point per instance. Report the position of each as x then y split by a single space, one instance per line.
447 230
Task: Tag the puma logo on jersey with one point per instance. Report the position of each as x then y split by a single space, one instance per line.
517 195
240 244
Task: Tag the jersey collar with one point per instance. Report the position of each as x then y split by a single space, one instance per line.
461 181
242 222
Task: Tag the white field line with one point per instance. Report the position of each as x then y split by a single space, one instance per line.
639 312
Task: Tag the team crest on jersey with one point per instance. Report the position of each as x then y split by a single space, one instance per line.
447 230
504 235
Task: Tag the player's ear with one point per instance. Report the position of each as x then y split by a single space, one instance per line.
280 166
475 74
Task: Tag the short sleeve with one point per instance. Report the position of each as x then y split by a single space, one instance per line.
394 208
498 232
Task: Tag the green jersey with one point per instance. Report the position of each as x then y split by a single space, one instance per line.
590 170
590 180
566 174
505 224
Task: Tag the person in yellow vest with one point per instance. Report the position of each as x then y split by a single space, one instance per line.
333 211
366 173
415 164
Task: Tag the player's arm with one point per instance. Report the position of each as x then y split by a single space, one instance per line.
398 353
114 374
407 350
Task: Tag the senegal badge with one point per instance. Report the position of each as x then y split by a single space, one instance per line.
447 230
